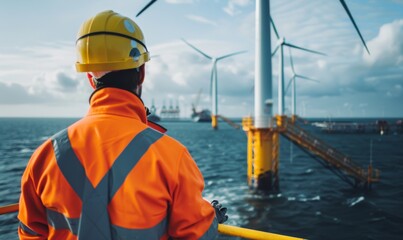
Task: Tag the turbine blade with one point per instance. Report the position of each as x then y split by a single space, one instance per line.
274 28
306 78
231 54
147 6
275 50
304 49
198 50
291 61
288 85
355 25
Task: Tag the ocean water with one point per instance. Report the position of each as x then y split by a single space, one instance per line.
313 203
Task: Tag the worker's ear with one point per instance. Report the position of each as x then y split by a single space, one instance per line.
89 76
142 74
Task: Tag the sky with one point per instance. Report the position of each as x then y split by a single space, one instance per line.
37 55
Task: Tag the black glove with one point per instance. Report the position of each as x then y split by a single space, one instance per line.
220 212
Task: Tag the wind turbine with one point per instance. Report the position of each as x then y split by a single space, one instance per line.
213 80
145 7
343 3
294 86
280 46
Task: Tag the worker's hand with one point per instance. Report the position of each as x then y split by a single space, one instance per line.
220 211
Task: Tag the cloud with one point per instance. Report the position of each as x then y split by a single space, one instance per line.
47 88
23 64
201 19
16 94
387 48
233 6
66 83
180 72
41 74
179 1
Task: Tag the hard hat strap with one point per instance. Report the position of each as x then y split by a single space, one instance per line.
114 34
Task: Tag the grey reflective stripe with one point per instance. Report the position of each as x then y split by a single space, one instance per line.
69 164
28 230
212 232
59 221
155 232
129 158
94 221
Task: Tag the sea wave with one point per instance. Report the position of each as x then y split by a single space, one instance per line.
354 201
303 198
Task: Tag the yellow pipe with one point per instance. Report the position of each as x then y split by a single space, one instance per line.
250 157
251 234
223 229
263 146
214 122
263 161
275 159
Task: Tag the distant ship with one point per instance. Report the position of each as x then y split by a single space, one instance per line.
152 116
202 116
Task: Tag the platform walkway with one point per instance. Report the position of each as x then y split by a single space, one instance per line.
331 157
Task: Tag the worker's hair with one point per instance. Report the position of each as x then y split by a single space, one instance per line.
127 79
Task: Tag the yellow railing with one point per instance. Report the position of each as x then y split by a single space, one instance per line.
251 234
9 208
222 228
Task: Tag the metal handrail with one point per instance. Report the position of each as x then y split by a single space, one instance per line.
331 154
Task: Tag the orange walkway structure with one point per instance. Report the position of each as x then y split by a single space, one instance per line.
340 164
263 174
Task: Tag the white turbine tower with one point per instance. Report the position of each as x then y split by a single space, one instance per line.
293 83
280 46
213 80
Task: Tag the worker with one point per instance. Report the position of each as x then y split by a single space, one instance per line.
110 175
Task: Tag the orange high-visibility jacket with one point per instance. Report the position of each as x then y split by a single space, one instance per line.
109 176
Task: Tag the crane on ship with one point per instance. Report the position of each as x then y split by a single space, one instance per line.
200 116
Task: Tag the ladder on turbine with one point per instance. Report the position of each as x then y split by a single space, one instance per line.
328 156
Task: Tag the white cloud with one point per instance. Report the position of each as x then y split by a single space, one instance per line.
41 75
387 47
201 19
179 1
233 6
23 64
13 93
180 72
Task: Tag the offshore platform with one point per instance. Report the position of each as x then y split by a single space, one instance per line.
264 174
264 129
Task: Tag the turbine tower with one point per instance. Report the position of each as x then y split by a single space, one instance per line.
280 46
294 87
213 80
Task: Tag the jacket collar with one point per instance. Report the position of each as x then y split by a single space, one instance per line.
117 101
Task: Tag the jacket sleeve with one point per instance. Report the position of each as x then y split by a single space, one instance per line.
191 216
32 214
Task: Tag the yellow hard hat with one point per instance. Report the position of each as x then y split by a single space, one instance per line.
109 41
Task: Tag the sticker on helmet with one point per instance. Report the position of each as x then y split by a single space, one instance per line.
129 26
